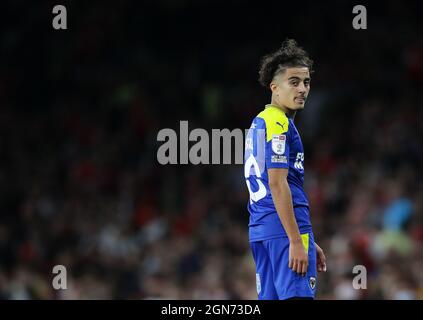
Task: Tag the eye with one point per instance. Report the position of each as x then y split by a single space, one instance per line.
294 83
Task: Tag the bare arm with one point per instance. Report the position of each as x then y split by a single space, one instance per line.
321 259
282 198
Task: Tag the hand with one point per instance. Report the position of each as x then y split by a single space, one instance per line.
321 259
298 258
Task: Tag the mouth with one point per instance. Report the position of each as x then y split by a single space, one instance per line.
300 99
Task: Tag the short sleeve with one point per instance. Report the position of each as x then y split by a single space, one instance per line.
277 151
277 143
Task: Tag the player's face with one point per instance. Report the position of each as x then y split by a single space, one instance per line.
291 87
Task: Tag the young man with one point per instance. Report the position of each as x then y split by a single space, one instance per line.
280 232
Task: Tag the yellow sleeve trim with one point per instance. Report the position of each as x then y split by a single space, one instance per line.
305 238
276 122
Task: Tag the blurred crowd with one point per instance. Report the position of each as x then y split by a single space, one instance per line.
80 185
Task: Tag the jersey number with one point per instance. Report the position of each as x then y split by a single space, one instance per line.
261 192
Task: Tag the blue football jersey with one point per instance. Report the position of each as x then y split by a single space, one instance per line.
273 142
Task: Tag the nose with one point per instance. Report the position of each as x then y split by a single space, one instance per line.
301 88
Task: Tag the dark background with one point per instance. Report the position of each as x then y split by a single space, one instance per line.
80 110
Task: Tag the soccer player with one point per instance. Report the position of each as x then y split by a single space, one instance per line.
280 231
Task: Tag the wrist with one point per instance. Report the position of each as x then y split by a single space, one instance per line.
295 241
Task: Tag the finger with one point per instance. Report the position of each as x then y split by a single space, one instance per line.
294 265
300 267
322 263
297 266
305 266
291 264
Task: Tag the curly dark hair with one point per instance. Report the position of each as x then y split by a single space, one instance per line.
289 55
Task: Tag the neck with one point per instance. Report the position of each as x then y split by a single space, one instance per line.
290 113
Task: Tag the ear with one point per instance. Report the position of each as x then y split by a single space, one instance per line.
272 86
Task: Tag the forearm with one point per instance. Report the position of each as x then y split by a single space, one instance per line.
282 199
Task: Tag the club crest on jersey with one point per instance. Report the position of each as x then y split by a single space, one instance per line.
312 282
278 143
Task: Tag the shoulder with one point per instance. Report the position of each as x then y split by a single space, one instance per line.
275 120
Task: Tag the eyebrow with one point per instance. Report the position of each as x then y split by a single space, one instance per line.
297 78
